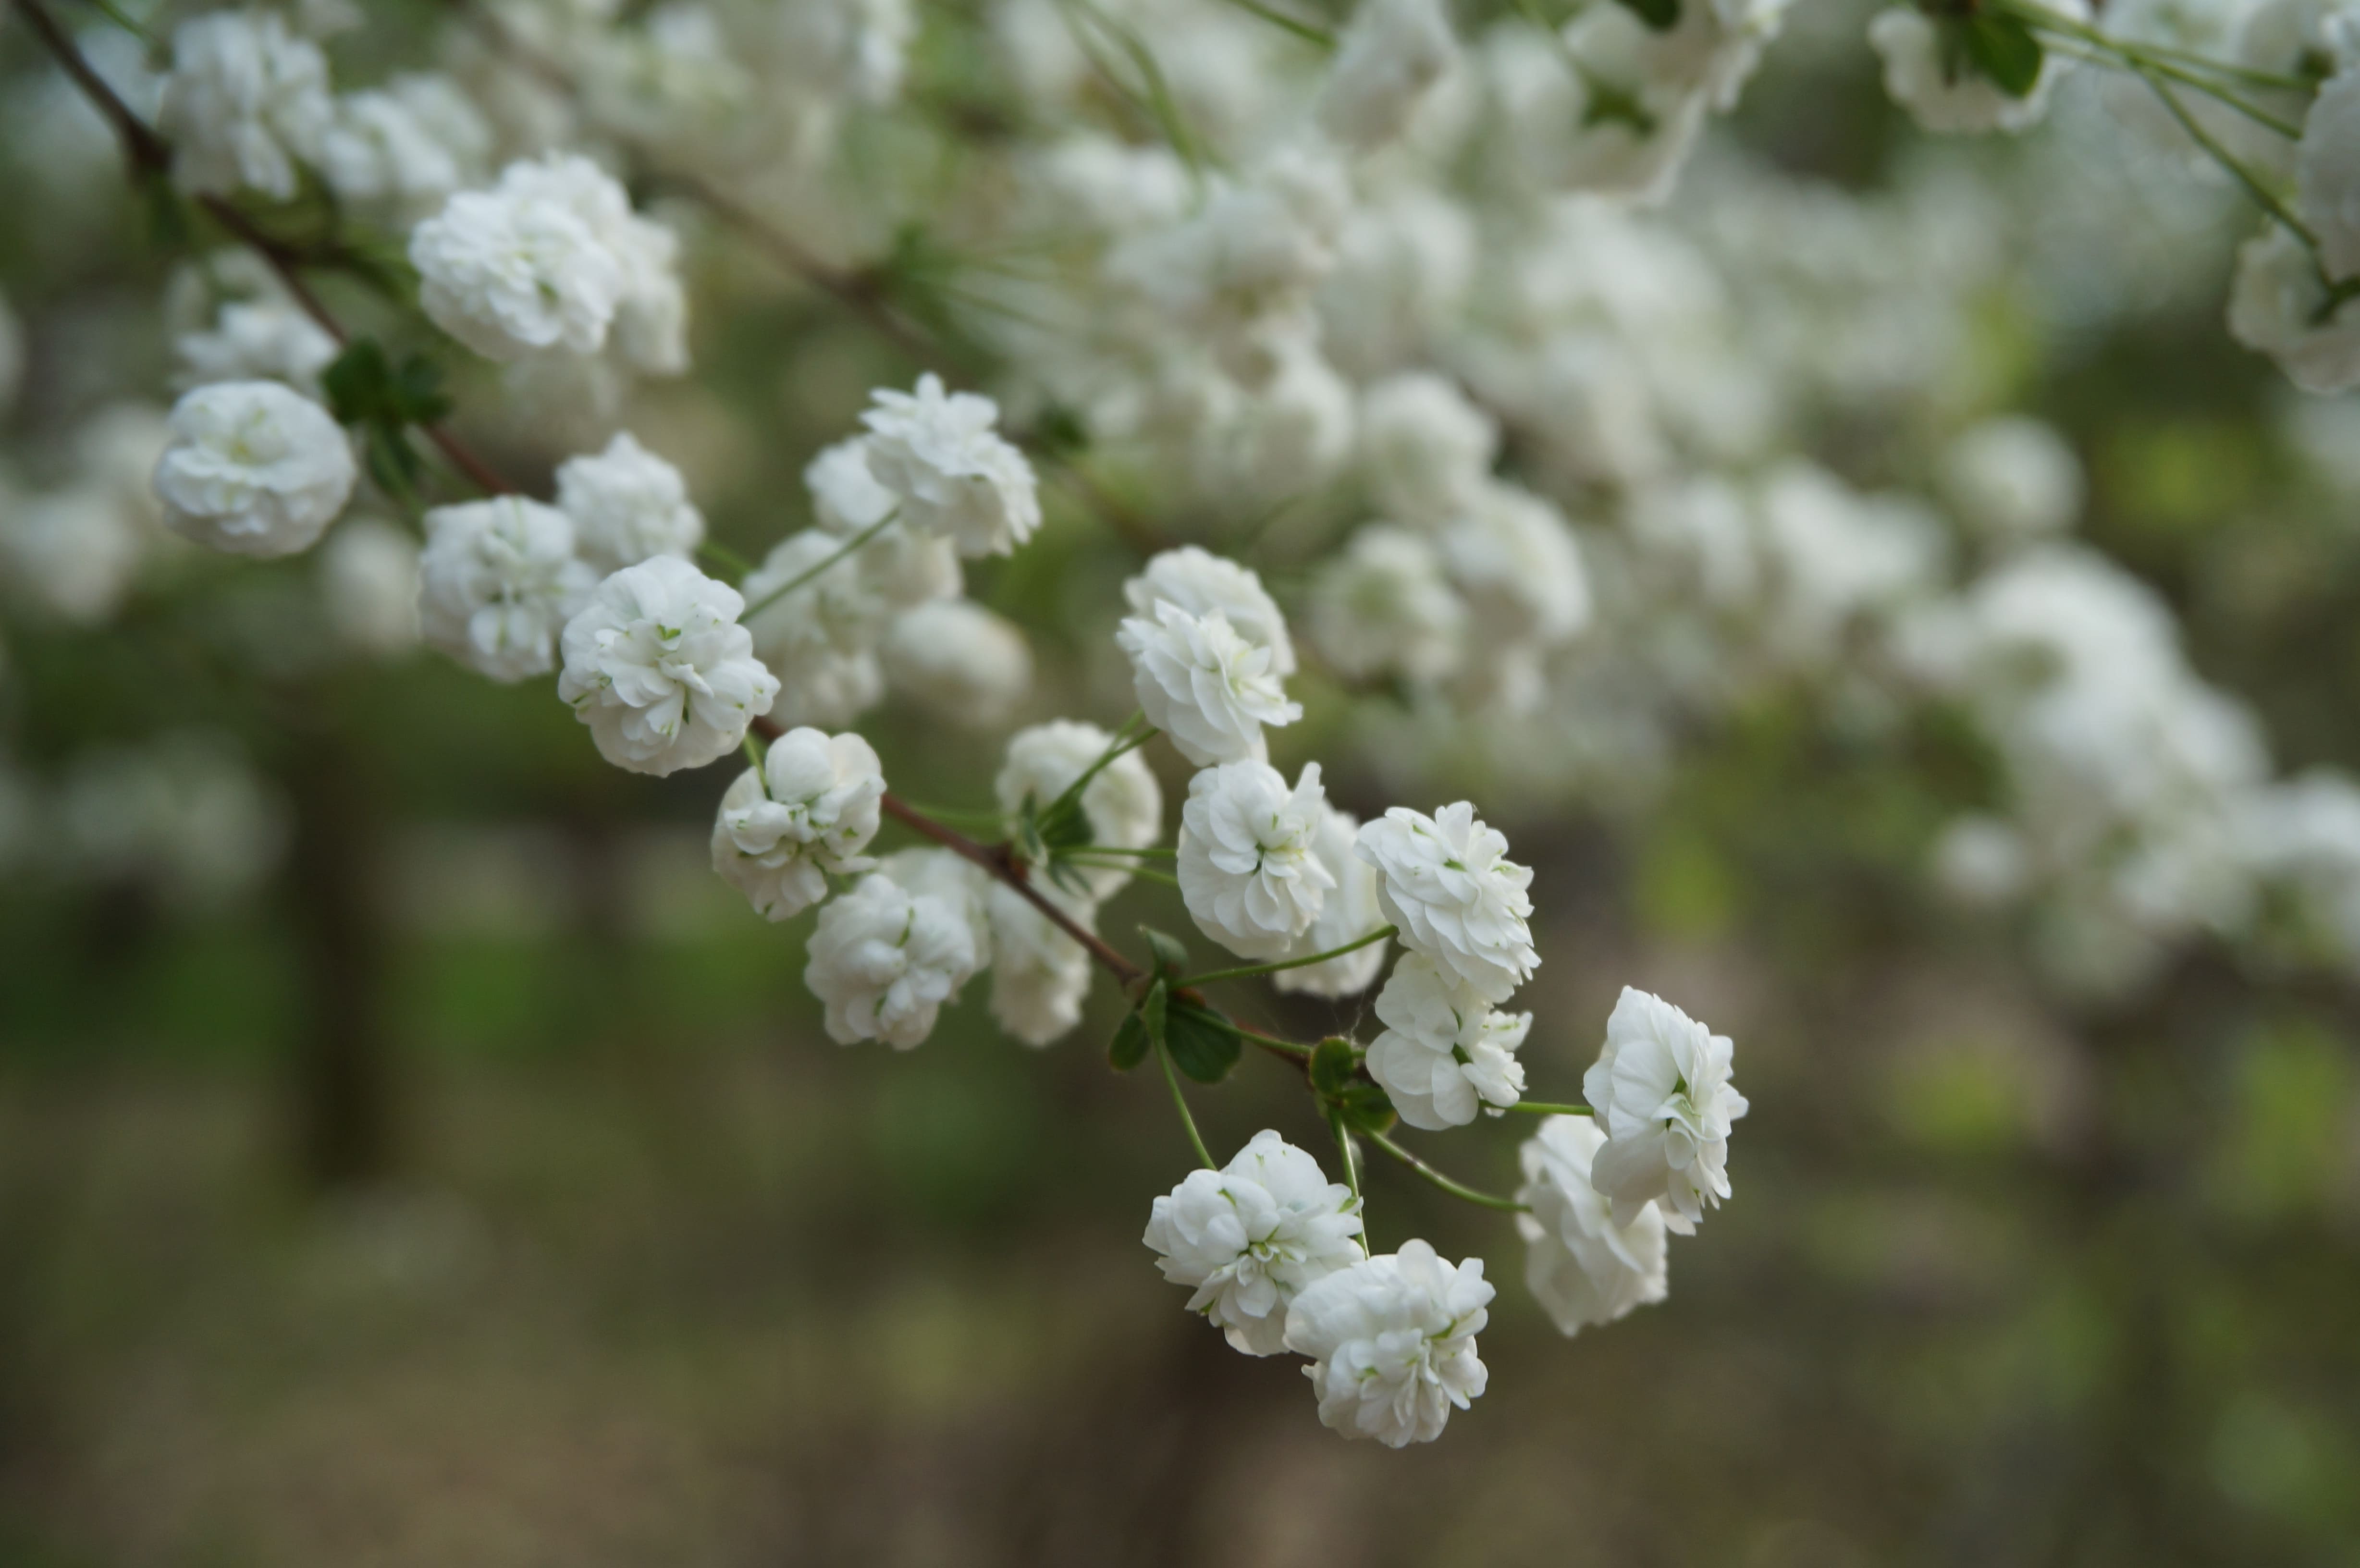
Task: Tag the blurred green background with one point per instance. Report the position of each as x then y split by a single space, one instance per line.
480 1188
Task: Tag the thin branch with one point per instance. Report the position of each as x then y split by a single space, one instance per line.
1180 1102
1250 970
1456 1188
1543 1108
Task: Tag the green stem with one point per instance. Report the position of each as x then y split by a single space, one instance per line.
756 753
2262 195
721 555
1352 1163
1123 745
1250 970
1306 31
792 583
1180 1102
2154 53
1115 849
1543 1108
2122 58
1456 1188
978 818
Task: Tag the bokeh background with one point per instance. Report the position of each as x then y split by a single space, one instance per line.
409 1153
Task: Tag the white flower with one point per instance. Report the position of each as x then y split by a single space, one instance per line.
2013 478
1942 92
1392 1343
1447 882
806 816
1390 55
658 667
820 636
884 960
1251 1237
1662 1096
964 887
1349 912
907 565
508 275
2275 305
965 663
1123 804
1200 582
1040 977
369 579
404 148
1444 1053
496 581
1427 451
2327 172
1583 1268
1247 872
1514 559
260 340
628 505
952 474
650 321
254 469
1203 684
1382 606
246 100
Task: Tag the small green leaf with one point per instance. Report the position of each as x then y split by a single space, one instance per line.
1170 956
1154 1011
1129 1047
357 383
1661 16
1065 826
1999 47
1332 1066
1365 1107
1200 1042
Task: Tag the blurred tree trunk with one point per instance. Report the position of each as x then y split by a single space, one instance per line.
343 1068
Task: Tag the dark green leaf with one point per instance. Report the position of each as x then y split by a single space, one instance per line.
1129 1047
1154 1012
2001 49
358 382
1170 956
1332 1066
1064 826
1661 16
1201 1043
1365 1107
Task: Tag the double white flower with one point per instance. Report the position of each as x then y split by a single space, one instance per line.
1248 868
1208 651
496 579
1662 1096
952 472
885 959
658 667
254 469
805 815
1445 1053
1392 1343
627 505
1583 1267
1252 1236
1447 882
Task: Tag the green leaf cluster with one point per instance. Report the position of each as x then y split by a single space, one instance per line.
382 398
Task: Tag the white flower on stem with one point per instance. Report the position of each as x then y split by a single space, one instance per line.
1349 912
1122 802
885 959
260 340
907 565
2277 304
1447 882
954 474
803 817
1514 559
1203 684
964 663
508 275
1662 1097
254 469
247 99
650 320
1040 977
628 505
1427 451
1392 1343
1200 582
962 885
368 580
1251 1237
2327 172
1391 54
1584 1268
1248 870
403 149
1444 1053
820 635
658 667
496 581
1382 605
1943 90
